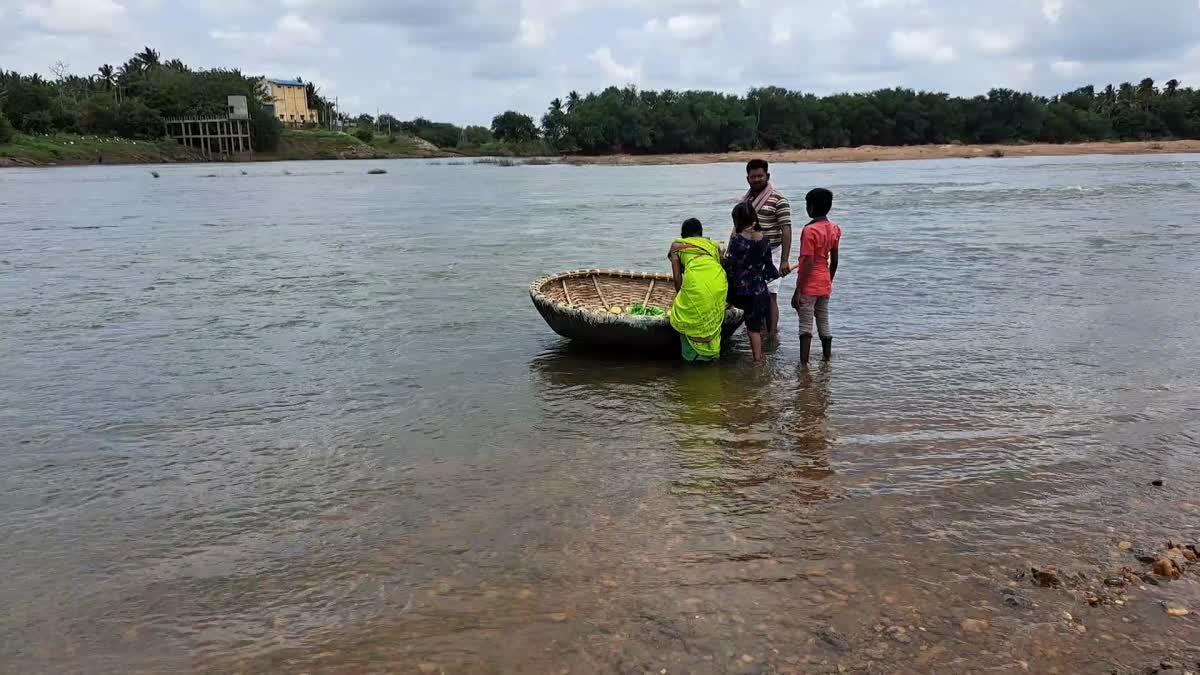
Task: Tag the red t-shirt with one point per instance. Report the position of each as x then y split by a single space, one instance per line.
817 240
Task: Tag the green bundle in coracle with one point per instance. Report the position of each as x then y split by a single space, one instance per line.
638 309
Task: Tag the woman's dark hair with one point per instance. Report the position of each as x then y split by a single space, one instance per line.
744 215
819 202
691 228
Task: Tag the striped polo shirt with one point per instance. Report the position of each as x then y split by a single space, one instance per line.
774 215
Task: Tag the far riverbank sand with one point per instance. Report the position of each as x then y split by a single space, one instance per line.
872 153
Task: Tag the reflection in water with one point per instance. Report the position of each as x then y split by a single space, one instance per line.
738 429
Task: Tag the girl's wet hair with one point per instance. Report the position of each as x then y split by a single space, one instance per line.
691 228
744 216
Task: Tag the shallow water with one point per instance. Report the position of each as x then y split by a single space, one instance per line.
307 420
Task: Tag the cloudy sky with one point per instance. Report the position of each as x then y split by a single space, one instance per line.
465 60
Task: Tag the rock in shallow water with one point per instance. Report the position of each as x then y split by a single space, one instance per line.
1016 600
1046 577
973 626
830 636
1165 567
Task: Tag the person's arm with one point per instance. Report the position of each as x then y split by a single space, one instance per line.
783 213
805 267
833 258
676 272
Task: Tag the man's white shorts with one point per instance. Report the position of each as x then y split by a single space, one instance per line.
776 287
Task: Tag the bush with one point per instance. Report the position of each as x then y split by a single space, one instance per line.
98 115
37 122
136 120
364 133
266 130
7 133
64 116
474 136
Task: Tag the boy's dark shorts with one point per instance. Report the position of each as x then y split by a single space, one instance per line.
757 309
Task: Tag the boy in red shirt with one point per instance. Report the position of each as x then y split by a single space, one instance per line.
818 264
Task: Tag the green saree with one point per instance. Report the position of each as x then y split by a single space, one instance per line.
699 307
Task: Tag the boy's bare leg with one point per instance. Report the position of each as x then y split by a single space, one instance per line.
805 348
756 346
773 324
826 348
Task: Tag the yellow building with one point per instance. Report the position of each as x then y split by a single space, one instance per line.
290 101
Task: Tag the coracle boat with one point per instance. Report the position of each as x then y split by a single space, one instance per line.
614 308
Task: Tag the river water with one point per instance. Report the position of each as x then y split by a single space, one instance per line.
301 419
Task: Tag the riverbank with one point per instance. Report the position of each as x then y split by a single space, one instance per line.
875 153
75 149
296 145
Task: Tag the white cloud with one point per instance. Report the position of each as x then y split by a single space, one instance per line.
75 16
1067 68
293 38
533 33
682 28
781 33
1052 10
890 4
614 72
921 45
689 27
995 43
295 28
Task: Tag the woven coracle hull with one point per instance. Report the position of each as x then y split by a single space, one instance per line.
575 305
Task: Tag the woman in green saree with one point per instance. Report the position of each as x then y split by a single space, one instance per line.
700 290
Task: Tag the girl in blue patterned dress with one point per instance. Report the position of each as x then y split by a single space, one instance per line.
749 267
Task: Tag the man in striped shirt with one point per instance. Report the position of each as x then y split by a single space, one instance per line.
775 220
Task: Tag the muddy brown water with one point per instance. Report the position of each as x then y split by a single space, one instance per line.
307 420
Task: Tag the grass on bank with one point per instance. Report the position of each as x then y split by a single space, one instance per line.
300 144
295 144
39 149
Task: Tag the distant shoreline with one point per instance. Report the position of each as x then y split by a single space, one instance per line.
170 153
875 153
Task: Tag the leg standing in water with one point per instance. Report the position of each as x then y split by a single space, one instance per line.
819 241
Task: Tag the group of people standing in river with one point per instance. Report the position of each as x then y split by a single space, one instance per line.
744 274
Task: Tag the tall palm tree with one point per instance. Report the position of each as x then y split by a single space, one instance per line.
177 66
149 58
1146 92
1126 95
108 76
572 101
1172 87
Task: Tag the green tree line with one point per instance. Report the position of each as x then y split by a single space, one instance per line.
628 120
131 100
633 121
